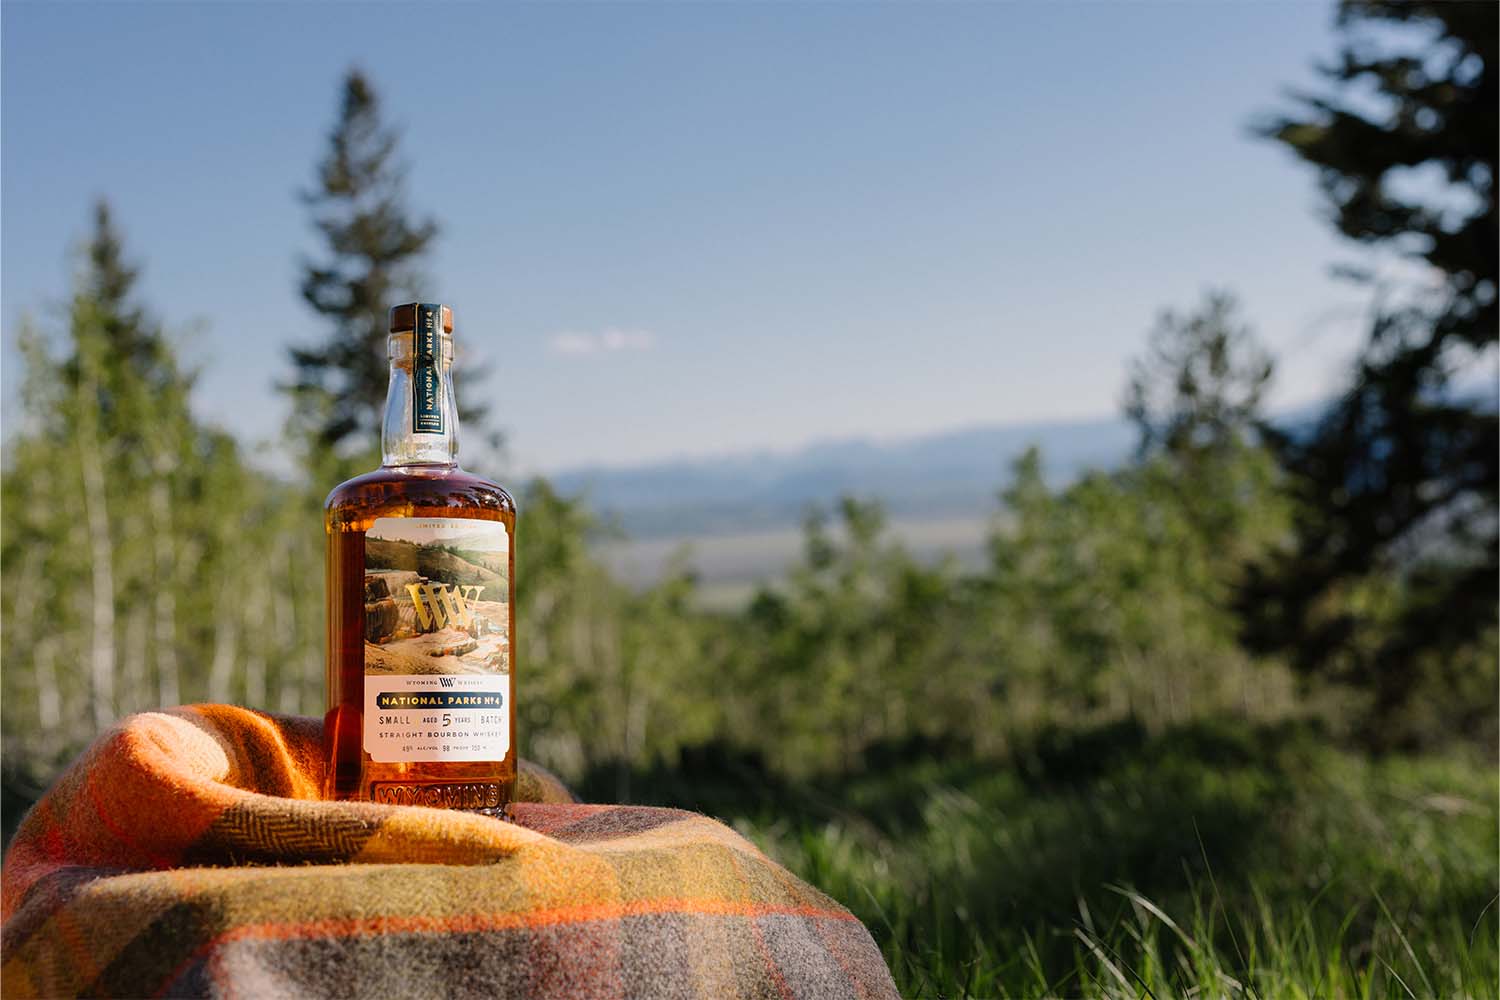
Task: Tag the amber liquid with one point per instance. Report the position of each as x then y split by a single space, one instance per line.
417 491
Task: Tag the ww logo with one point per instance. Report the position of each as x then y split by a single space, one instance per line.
443 605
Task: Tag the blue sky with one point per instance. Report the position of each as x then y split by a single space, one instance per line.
678 229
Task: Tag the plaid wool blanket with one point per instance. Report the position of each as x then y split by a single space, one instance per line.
187 853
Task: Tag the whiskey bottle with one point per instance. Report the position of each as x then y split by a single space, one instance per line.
421 597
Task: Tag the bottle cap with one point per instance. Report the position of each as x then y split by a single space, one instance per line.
404 317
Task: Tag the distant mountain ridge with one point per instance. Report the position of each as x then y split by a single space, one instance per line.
946 474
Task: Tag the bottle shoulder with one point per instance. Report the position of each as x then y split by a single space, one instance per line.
449 490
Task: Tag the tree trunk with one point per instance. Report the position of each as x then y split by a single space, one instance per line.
255 658
226 638
44 652
284 617
48 694
101 559
133 694
164 558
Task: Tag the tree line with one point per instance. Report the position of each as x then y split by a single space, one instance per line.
1343 569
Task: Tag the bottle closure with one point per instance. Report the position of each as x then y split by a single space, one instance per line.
421 421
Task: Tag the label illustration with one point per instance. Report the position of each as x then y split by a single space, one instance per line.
437 640
426 382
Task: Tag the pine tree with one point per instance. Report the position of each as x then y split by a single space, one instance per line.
1200 385
373 255
1398 480
1195 397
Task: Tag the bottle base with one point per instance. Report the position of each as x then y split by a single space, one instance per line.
487 798
501 813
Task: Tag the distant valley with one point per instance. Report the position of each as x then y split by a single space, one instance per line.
955 473
740 516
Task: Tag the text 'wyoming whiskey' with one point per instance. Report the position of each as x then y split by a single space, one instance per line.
421 597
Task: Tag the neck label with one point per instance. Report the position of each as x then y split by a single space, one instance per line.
426 382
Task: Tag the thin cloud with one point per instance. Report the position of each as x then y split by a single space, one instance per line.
577 343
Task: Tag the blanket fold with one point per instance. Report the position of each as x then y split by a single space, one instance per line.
186 853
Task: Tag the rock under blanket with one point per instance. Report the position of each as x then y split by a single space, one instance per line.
187 853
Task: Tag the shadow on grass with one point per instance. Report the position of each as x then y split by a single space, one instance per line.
1072 811
949 857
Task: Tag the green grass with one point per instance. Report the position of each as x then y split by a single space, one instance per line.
1211 861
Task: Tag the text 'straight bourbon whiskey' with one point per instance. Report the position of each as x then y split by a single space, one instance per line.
421 592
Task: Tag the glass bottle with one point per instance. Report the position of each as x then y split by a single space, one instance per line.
421 597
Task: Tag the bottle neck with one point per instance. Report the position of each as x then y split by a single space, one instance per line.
421 418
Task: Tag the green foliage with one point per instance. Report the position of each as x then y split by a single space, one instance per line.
615 675
1413 87
1200 386
146 563
1110 596
832 660
1397 482
1105 600
1212 859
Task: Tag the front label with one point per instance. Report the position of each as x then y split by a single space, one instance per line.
426 382
437 640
